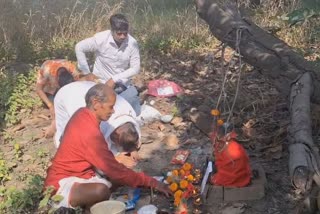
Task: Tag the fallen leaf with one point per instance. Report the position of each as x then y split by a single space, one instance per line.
18 128
176 121
162 127
172 142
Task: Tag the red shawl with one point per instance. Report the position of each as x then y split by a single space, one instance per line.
232 164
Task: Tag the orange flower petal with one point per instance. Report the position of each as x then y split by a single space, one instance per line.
190 177
215 112
178 194
169 179
173 187
187 167
220 122
175 172
182 172
183 184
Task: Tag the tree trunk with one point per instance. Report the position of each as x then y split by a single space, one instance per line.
292 75
258 48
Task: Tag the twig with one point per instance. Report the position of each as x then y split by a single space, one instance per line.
225 75
238 40
151 191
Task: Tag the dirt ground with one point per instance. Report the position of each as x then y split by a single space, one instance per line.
260 117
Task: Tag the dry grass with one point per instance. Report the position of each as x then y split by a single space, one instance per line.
29 27
38 25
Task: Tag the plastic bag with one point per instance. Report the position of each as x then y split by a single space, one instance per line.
163 88
148 114
180 157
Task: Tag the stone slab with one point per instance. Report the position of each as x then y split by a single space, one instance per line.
255 191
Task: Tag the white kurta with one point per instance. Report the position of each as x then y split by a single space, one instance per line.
118 63
72 97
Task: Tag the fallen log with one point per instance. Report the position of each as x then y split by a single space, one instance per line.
293 76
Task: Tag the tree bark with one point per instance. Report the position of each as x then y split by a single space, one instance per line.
258 48
304 154
293 76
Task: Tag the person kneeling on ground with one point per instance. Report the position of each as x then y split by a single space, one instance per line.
124 144
122 132
53 75
117 58
83 149
72 97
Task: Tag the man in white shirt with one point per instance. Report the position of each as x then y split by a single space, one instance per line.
72 97
117 57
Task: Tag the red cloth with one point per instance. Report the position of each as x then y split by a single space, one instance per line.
232 164
83 147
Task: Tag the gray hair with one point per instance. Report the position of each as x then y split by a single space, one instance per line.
96 92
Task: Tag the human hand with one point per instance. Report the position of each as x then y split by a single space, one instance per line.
90 77
51 109
110 83
126 160
76 75
162 187
50 130
135 155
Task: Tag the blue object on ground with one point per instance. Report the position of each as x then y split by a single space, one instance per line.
131 204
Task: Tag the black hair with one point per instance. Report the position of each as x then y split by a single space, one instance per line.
64 77
119 22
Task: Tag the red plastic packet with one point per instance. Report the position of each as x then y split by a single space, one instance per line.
164 88
180 157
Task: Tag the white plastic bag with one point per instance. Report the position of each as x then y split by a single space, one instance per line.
148 114
148 209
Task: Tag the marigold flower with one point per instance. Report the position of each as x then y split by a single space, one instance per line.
187 167
177 201
178 194
182 172
215 112
183 184
190 177
175 172
173 187
220 122
169 179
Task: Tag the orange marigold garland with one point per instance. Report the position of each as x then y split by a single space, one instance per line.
190 178
178 193
187 167
181 183
173 187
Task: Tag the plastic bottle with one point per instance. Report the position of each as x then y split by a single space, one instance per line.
134 196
